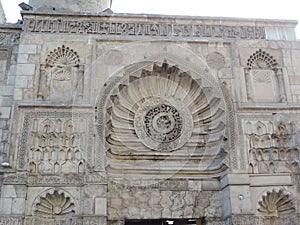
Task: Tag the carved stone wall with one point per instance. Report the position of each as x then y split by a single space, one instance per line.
107 118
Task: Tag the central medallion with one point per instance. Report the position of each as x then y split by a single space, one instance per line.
163 124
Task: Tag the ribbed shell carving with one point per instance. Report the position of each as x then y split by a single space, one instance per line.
63 56
163 109
54 203
276 203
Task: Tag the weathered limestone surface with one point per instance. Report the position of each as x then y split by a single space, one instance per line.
110 119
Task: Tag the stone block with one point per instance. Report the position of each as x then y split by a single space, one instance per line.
9 191
5 112
18 206
6 90
5 206
21 82
100 206
18 94
25 69
27 49
240 200
195 185
210 185
22 58
235 179
270 180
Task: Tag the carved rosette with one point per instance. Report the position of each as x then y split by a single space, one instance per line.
54 203
163 110
276 203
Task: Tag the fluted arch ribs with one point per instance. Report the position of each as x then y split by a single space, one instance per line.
158 111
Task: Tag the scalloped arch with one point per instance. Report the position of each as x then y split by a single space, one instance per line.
261 59
53 202
63 56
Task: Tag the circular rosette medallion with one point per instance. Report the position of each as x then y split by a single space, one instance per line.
163 125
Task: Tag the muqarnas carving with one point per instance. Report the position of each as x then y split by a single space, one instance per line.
272 147
264 79
54 202
276 203
55 148
62 77
162 109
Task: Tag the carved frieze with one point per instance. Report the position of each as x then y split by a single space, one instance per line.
15 179
55 180
61 78
140 203
56 141
272 147
9 38
74 220
6 220
143 29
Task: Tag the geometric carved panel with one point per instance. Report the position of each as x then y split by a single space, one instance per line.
56 142
272 147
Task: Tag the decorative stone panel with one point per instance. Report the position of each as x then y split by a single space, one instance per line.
58 141
54 202
264 79
61 78
155 202
157 112
276 203
272 147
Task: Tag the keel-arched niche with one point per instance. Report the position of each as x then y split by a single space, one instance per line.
161 121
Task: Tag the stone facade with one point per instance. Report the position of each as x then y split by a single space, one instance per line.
141 119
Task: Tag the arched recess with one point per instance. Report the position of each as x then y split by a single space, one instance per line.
264 79
156 118
61 75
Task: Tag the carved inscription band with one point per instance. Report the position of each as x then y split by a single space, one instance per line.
144 29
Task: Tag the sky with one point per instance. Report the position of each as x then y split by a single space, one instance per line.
265 9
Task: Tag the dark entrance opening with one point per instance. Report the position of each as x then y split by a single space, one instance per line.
164 222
